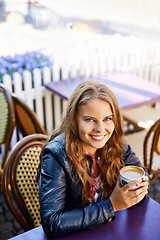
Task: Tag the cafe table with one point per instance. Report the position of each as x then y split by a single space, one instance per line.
131 91
140 222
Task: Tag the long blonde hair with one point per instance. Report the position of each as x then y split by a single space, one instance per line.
111 154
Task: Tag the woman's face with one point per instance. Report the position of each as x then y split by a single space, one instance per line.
95 124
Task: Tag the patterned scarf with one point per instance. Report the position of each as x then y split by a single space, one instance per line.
96 184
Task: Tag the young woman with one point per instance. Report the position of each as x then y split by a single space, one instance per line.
79 179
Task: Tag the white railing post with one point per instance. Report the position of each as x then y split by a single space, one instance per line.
48 102
28 88
38 94
57 99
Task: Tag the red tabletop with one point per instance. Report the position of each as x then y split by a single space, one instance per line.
131 91
136 223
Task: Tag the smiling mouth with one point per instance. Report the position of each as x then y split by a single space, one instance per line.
97 137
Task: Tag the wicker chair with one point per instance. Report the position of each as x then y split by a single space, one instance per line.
19 186
7 121
141 117
130 126
26 119
146 145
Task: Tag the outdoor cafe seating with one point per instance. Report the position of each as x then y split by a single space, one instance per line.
7 120
21 193
146 145
142 117
15 115
27 121
19 184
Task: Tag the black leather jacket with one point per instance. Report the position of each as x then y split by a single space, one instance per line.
61 208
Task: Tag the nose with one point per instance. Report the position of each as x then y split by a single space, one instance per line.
99 127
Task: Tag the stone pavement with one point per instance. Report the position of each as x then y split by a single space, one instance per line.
9 227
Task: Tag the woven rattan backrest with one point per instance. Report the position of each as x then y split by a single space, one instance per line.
26 119
4 115
21 173
26 181
7 120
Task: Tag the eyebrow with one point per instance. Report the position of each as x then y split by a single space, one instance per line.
111 115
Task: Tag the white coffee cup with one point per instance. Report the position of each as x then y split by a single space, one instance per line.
131 173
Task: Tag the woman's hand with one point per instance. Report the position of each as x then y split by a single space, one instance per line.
123 197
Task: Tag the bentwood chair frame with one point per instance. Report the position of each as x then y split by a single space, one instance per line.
146 145
19 185
7 120
26 119
131 126
150 151
142 117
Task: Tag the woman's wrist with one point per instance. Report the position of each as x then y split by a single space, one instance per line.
112 204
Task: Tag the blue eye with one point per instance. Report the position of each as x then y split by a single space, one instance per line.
89 120
108 119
